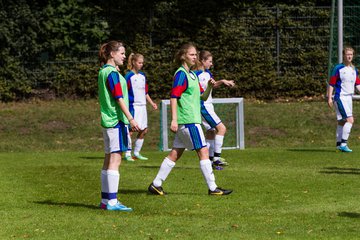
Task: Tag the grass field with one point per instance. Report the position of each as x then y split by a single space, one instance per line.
288 183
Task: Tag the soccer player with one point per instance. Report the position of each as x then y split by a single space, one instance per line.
215 129
185 123
138 95
115 118
344 79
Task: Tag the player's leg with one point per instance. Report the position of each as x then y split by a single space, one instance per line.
210 140
139 143
128 156
208 174
343 106
211 121
140 116
219 140
339 132
116 143
165 168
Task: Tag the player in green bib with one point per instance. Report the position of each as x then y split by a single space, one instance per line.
185 122
115 118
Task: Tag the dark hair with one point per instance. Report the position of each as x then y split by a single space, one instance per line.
180 54
107 48
202 55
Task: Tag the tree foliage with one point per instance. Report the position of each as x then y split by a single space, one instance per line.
53 45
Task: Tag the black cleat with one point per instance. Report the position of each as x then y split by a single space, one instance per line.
156 190
220 191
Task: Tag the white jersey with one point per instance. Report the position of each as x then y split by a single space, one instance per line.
204 77
137 88
344 79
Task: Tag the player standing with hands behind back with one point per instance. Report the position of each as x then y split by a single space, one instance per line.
343 79
115 120
185 122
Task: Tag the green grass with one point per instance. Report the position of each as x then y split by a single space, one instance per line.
288 183
309 193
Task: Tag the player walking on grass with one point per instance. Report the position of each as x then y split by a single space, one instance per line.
115 118
185 122
215 129
344 79
138 95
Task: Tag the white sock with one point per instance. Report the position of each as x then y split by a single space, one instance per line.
339 132
104 187
207 171
128 153
219 140
113 178
210 145
346 132
164 171
138 146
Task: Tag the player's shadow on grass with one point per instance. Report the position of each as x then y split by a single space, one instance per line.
133 191
63 204
337 170
158 166
309 150
349 214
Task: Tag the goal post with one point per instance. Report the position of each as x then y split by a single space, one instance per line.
230 111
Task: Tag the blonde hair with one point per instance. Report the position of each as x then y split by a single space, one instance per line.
348 48
133 57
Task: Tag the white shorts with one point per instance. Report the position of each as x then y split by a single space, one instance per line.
209 118
140 115
116 138
343 107
189 136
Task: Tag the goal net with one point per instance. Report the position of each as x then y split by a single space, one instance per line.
231 113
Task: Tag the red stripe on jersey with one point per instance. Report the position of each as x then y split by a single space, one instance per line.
117 91
357 81
333 79
201 89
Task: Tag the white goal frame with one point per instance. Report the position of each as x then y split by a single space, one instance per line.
240 136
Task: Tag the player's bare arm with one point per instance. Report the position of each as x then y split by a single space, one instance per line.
329 96
173 107
208 90
133 124
154 105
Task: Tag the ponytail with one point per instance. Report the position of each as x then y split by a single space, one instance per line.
106 49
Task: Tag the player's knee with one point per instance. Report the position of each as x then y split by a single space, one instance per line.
210 134
221 129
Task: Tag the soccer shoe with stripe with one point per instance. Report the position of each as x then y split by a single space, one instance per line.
118 207
129 159
345 149
156 190
217 167
219 191
218 162
140 157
